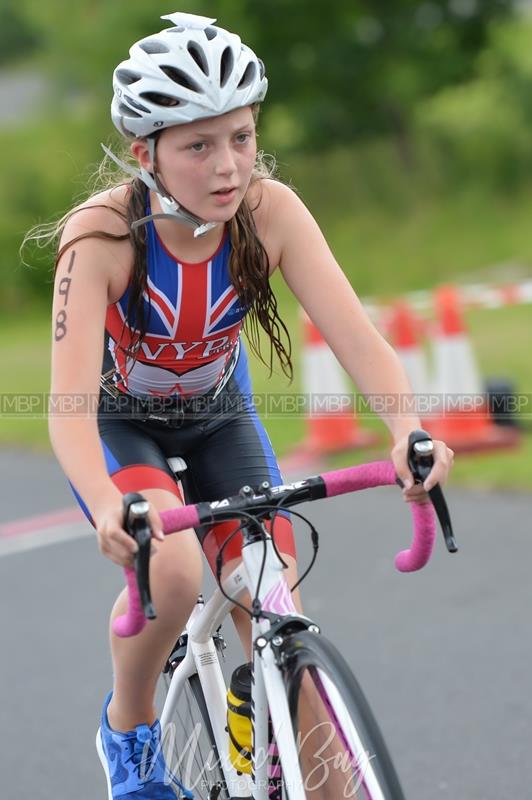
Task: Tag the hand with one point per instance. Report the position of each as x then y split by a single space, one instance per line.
114 542
443 461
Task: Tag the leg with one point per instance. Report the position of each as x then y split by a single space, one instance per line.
175 577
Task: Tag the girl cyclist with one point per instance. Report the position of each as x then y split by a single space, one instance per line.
156 279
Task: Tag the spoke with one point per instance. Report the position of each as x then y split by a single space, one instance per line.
188 717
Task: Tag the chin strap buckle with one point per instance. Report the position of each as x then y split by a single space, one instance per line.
170 207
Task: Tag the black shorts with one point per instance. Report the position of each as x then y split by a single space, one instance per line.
222 440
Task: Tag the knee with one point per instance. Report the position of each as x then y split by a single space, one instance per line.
177 571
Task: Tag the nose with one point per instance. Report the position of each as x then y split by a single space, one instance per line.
225 160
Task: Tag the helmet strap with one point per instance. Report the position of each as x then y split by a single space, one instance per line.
171 209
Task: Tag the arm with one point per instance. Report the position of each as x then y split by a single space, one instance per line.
78 322
323 290
81 295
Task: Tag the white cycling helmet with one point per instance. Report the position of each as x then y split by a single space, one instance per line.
190 71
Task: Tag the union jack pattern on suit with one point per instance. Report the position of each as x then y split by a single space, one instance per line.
193 318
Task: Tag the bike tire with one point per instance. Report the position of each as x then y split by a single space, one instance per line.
192 754
335 693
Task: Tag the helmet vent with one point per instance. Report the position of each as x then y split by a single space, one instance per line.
226 65
248 77
125 111
199 57
153 46
161 99
210 33
126 77
177 29
179 77
136 104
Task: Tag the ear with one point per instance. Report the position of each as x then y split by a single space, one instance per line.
139 150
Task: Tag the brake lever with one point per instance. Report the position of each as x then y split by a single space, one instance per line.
420 461
135 508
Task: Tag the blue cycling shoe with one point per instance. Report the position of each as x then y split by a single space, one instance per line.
134 764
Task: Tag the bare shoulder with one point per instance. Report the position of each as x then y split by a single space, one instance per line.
272 203
98 230
267 194
105 211
276 206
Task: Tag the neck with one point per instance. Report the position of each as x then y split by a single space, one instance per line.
179 237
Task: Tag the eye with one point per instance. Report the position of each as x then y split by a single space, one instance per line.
198 147
242 138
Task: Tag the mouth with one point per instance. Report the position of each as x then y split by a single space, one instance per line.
225 194
225 190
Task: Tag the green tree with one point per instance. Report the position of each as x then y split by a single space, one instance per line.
17 36
348 70
482 127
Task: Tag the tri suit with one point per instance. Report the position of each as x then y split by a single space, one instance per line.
187 392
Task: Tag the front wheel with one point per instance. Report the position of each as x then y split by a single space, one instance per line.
342 753
190 749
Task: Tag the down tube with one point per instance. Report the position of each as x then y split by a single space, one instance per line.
282 724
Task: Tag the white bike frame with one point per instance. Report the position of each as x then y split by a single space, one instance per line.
268 693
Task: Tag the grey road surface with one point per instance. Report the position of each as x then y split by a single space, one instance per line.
443 655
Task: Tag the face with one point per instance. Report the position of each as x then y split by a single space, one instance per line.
206 165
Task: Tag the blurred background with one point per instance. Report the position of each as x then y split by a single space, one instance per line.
405 126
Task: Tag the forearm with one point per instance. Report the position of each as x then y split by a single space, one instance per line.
77 446
380 376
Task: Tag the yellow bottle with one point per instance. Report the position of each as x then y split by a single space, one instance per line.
239 718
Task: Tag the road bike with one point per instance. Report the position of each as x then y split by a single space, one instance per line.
313 734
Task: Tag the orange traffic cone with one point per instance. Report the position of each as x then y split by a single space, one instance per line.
331 424
459 414
404 333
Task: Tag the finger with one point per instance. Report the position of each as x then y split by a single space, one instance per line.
118 547
415 494
443 459
156 527
408 481
120 557
402 471
125 561
123 539
421 499
415 491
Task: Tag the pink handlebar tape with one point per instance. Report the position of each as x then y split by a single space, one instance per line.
342 481
424 534
382 473
353 479
133 621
